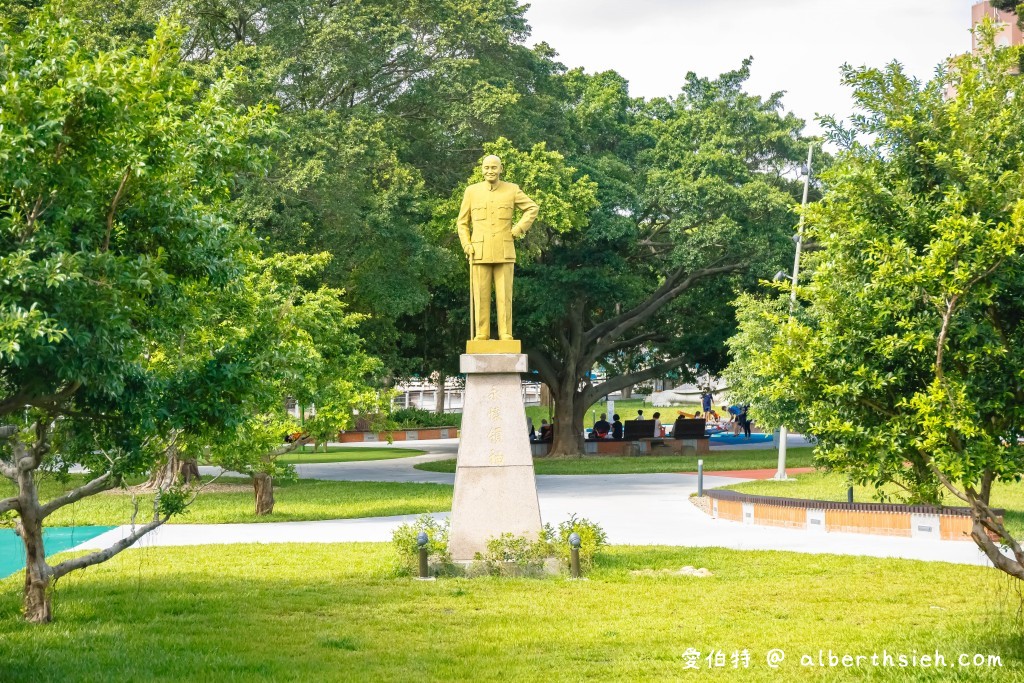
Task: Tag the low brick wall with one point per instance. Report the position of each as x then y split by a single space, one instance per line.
399 435
886 519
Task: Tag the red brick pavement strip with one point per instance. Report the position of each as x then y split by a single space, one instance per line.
755 474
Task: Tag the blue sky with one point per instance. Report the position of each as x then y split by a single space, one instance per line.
797 45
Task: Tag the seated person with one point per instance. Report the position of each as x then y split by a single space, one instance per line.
659 431
616 428
547 434
677 427
602 427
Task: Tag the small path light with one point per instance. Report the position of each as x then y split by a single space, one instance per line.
574 555
421 540
700 478
849 495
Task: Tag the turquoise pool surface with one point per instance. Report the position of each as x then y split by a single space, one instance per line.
56 539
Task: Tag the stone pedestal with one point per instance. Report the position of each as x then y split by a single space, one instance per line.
495 489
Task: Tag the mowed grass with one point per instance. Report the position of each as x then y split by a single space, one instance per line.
831 486
340 613
306 455
651 464
306 499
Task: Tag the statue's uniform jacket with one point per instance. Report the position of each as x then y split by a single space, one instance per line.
489 211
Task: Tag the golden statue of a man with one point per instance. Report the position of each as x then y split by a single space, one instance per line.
488 207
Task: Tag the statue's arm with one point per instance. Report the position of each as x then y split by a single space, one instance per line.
463 222
530 211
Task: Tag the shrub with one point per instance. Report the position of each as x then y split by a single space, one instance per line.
592 538
515 554
404 540
510 554
412 418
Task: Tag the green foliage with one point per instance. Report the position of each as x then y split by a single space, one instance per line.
411 418
592 539
905 355
753 374
173 501
404 540
694 204
511 555
114 247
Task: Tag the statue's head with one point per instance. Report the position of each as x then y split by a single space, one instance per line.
491 168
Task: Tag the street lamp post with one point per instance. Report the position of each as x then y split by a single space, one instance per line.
783 432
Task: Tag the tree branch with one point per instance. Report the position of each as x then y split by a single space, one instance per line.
9 470
104 555
8 504
622 381
100 483
617 326
18 402
545 370
113 207
602 350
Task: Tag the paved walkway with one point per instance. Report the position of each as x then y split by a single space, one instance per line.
634 509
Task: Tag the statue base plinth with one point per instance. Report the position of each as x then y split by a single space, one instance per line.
494 346
495 488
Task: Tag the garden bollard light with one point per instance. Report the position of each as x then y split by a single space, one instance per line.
421 540
574 555
700 478
849 495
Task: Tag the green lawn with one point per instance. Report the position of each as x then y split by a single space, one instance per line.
306 455
650 464
828 486
339 613
305 499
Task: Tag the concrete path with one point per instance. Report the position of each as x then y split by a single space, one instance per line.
634 509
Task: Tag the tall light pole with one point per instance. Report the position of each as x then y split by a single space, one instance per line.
783 432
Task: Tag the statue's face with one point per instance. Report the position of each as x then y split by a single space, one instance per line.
492 169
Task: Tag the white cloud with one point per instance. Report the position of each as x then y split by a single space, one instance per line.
797 45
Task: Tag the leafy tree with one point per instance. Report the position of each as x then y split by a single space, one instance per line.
1006 5
114 171
309 351
694 202
906 359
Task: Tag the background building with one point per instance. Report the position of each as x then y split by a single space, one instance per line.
1009 32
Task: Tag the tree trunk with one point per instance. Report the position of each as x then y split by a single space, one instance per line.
627 393
439 403
37 573
173 471
568 423
263 484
